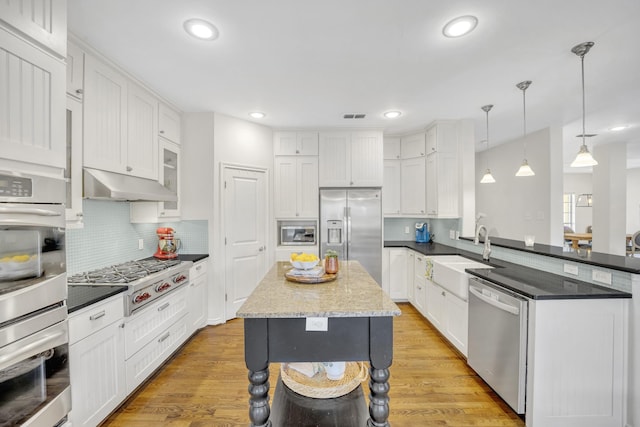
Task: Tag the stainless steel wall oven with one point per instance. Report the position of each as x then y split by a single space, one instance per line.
34 372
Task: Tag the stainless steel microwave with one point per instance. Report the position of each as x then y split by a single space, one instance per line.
292 235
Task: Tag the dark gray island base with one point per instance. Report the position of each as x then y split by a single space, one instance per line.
359 328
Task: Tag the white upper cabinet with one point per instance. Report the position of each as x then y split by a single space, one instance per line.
32 102
105 117
391 188
75 71
43 21
351 159
391 148
295 143
169 124
73 169
413 191
413 146
443 188
142 131
121 123
296 184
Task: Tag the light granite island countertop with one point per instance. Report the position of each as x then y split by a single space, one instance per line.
353 294
348 319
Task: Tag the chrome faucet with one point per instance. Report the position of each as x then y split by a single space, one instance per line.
486 251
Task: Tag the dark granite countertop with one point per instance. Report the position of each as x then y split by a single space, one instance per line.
585 256
81 296
529 282
192 257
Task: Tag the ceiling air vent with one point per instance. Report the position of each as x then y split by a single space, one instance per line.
354 116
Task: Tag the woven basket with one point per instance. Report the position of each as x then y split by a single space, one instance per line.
319 386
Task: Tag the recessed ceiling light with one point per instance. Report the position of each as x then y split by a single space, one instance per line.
617 128
392 114
460 26
201 29
257 114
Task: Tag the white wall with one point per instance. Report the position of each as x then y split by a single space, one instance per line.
515 206
609 198
580 183
633 200
211 140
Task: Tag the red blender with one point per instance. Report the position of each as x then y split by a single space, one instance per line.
168 244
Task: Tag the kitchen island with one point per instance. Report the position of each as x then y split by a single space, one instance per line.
348 319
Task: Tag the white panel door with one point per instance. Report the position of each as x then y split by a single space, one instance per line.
142 133
366 159
397 273
245 219
105 116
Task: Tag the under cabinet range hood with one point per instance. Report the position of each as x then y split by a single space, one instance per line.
99 184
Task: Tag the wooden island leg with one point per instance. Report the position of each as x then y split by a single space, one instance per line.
381 355
256 356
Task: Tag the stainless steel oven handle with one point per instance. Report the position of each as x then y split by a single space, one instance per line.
22 352
28 211
500 305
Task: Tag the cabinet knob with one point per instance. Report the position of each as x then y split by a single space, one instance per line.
422 154
297 151
443 294
79 91
79 214
129 168
351 183
161 131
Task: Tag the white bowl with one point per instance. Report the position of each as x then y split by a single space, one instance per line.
304 265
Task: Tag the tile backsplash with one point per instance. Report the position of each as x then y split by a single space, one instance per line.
108 237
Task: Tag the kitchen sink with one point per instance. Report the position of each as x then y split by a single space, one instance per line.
448 272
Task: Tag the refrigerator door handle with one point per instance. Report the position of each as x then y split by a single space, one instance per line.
348 209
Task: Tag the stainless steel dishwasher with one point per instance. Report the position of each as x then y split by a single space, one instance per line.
498 340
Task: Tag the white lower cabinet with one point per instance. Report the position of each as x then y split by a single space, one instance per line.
419 283
197 296
435 305
145 361
397 274
456 320
152 334
96 356
411 256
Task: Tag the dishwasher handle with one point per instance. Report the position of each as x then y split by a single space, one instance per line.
500 305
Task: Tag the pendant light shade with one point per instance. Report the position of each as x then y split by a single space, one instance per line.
525 169
584 157
487 178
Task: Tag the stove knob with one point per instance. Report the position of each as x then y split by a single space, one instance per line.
180 278
163 287
141 297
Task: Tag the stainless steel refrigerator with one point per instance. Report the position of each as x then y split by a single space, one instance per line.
351 224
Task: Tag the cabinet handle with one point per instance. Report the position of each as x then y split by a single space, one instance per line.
161 131
422 154
97 315
443 294
79 91
129 168
297 151
198 268
163 306
351 183
80 214
164 337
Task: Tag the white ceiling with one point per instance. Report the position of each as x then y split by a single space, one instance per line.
306 63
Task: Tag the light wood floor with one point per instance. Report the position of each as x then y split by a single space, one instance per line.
205 384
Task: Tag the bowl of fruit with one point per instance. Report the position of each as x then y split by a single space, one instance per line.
304 261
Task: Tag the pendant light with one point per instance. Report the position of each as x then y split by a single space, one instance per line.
525 169
584 157
487 178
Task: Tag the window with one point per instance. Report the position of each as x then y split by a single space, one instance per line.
568 210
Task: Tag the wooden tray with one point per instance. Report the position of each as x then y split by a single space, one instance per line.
326 277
